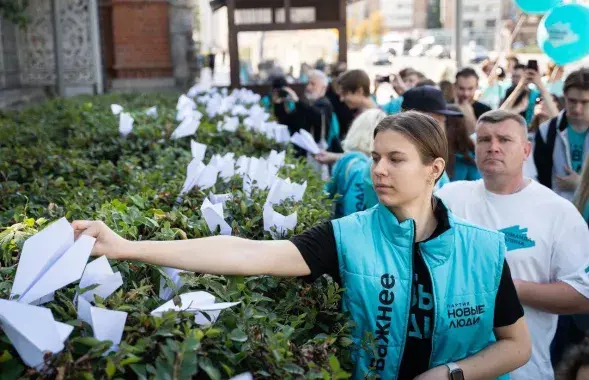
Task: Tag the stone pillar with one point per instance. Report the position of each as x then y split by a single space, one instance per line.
181 16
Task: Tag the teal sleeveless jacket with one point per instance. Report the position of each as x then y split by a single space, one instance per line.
375 261
346 180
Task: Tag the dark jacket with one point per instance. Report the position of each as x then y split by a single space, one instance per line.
306 115
344 114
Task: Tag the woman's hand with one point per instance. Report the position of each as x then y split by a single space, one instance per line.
328 158
108 243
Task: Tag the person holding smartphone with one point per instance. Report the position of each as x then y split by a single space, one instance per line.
522 100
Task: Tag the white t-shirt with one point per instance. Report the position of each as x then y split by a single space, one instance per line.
547 241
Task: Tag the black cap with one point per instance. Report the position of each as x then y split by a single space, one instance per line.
426 99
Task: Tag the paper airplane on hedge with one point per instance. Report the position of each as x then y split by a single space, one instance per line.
239 110
202 304
260 174
185 102
305 140
213 216
281 222
152 112
99 272
106 324
116 109
49 261
277 132
198 150
187 127
199 174
284 189
225 164
197 89
166 292
243 376
277 159
220 198
32 331
125 123
230 124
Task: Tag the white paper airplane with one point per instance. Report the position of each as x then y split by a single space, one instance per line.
284 189
32 331
106 324
213 216
125 124
187 127
281 222
198 303
185 102
166 292
305 140
152 112
49 261
198 150
99 272
220 198
116 109
193 172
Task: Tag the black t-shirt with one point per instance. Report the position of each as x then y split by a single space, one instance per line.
480 108
318 248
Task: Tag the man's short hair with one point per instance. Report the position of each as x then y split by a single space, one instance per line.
519 66
352 80
467 72
407 72
499 116
319 75
578 79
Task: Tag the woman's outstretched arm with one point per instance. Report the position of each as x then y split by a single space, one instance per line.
227 255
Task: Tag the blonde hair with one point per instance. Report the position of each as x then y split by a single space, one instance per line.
361 133
582 193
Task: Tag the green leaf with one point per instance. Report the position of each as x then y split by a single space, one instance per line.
110 368
293 368
206 365
238 335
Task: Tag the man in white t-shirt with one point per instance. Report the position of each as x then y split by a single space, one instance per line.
547 239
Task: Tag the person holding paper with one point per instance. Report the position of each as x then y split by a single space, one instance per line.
413 278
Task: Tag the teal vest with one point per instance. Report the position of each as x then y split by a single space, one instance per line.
346 180
375 259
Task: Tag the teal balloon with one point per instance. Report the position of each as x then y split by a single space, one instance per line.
563 33
537 6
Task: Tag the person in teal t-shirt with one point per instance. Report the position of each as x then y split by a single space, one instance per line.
576 144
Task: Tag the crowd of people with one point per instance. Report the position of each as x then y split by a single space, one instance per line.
460 230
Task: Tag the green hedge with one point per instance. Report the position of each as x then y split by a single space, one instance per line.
65 158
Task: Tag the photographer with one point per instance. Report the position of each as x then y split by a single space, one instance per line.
405 80
312 113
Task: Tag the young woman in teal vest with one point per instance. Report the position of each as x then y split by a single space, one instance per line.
430 294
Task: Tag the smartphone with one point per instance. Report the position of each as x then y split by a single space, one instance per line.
282 93
383 79
533 65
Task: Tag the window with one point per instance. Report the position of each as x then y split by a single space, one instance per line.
490 23
253 16
297 15
468 24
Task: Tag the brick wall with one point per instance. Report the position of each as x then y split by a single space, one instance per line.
140 39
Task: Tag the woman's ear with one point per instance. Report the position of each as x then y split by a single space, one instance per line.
438 167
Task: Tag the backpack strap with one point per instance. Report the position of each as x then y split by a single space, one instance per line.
543 151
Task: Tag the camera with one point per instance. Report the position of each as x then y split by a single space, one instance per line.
282 93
